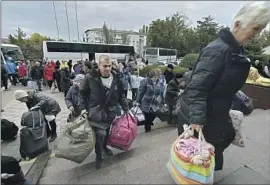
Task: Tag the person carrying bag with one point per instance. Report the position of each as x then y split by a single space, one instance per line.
77 140
192 160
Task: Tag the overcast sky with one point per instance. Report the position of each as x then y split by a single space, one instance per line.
39 17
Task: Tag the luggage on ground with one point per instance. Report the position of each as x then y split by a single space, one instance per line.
162 113
33 137
54 88
138 113
23 81
242 103
32 84
237 120
192 160
9 130
76 141
11 173
123 132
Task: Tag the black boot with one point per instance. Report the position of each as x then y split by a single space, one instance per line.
108 151
53 137
98 162
53 131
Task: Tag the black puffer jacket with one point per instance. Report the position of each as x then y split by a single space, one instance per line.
221 71
101 106
36 73
172 91
65 79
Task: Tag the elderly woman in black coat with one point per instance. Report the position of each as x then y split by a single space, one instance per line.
219 73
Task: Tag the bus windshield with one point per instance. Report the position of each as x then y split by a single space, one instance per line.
12 51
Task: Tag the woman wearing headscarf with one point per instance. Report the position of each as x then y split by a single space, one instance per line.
221 70
72 97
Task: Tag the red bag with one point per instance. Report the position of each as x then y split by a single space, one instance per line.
123 132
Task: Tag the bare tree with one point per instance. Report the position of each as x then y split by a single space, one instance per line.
125 38
107 34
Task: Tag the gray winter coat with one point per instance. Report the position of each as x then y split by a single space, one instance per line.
148 93
72 99
47 105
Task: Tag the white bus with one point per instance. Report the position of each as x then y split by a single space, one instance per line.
160 55
13 51
58 50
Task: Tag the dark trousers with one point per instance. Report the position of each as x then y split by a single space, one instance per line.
170 118
148 122
38 81
4 80
51 131
50 82
220 139
59 85
125 93
65 93
13 79
101 140
134 94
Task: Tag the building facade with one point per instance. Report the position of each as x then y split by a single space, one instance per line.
136 39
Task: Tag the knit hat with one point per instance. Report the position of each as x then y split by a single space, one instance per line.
79 78
19 94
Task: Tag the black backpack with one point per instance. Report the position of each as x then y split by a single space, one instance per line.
10 165
8 130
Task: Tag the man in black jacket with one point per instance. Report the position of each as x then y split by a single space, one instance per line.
172 94
65 80
37 74
100 93
168 73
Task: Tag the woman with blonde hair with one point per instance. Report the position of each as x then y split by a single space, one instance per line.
221 70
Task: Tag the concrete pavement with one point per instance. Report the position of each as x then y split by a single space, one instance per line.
146 162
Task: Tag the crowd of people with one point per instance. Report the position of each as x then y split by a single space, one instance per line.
205 93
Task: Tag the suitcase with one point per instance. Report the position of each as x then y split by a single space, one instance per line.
8 130
33 137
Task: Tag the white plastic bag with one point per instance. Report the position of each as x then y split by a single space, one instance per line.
237 120
137 112
32 84
54 88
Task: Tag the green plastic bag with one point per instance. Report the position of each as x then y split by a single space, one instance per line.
77 140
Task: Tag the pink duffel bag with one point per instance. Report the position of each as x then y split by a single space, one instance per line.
123 132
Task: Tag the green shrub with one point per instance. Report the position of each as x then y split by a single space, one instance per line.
189 60
263 58
143 72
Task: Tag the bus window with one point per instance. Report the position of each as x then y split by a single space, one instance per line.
151 51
